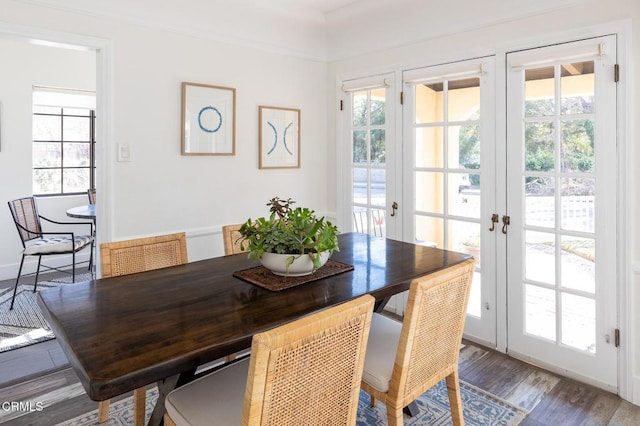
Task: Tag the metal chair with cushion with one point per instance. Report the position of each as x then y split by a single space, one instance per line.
36 242
405 359
139 255
306 372
91 193
230 237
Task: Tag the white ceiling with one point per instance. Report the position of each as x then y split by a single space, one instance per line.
323 6
315 29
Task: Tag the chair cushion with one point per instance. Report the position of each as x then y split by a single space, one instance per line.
219 396
384 337
57 245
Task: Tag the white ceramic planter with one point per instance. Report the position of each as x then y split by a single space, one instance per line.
302 264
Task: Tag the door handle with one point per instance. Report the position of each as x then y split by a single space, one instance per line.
506 221
494 219
394 207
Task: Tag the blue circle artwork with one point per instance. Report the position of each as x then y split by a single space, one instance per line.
206 129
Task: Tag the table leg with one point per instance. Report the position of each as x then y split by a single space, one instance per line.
412 409
380 304
164 387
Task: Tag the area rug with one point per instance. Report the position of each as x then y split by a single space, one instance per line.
25 325
480 408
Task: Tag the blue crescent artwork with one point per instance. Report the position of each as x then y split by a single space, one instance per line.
275 138
213 110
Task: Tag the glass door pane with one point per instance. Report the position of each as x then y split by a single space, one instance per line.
447 169
449 161
559 188
561 160
369 162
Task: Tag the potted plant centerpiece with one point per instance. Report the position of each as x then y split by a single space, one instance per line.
291 241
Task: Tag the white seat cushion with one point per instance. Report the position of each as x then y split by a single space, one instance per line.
384 337
56 244
215 399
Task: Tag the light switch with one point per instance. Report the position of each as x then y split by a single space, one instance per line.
124 154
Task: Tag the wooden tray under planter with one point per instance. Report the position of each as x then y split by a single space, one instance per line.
261 276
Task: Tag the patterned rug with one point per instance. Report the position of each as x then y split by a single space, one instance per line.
25 325
479 407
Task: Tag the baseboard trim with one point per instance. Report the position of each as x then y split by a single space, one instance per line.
635 392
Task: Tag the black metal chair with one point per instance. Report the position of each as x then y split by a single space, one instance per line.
36 242
92 195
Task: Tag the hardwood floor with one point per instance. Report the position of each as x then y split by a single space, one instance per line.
548 398
39 374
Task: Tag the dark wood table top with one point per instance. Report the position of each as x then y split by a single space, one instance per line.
121 333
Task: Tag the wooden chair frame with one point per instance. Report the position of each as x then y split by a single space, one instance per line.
230 237
429 343
332 344
143 254
139 255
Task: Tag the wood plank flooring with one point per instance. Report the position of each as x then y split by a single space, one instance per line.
39 374
549 399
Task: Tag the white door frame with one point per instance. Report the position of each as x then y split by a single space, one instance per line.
480 329
521 344
628 268
104 107
628 381
343 150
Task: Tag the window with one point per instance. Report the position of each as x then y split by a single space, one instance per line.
63 141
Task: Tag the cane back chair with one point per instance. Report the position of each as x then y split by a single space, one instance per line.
139 255
405 359
36 242
306 372
91 193
230 237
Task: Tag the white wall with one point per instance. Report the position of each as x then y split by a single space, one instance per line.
159 190
589 18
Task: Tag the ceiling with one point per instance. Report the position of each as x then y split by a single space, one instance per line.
322 30
323 6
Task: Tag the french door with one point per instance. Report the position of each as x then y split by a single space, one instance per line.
555 277
449 173
561 199
370 128
372 160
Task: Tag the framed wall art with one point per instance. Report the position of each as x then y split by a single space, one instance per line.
279 144
208 120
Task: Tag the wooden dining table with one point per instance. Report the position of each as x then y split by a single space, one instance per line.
121 333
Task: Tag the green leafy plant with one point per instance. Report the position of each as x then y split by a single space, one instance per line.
289 230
